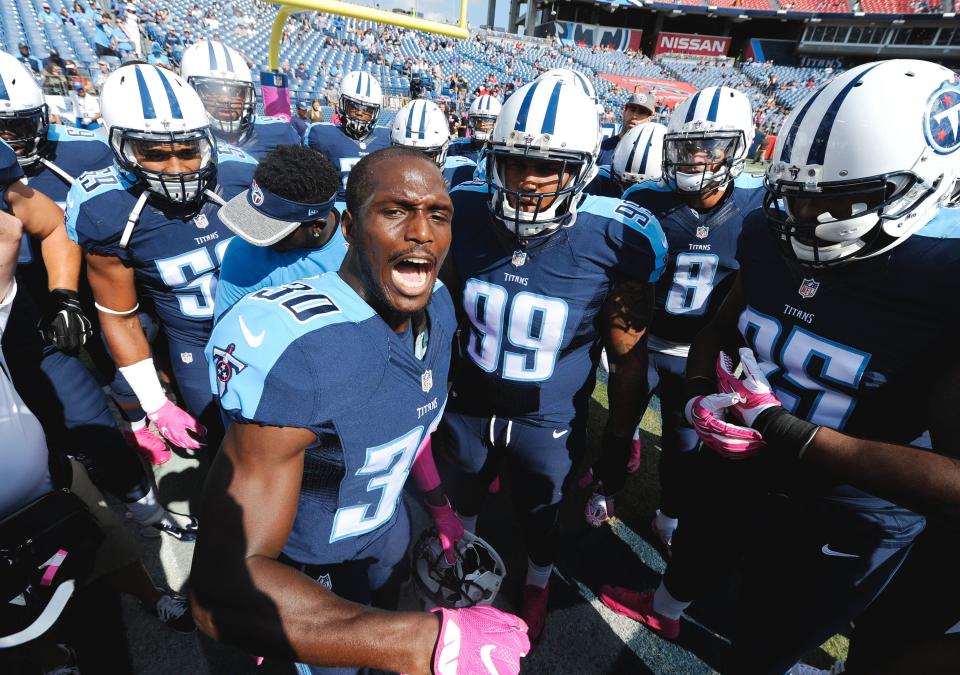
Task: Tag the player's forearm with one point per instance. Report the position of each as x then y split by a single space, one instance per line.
62 258
278 611
913 477
627 388
125 337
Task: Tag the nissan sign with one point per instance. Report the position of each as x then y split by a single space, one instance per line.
695 45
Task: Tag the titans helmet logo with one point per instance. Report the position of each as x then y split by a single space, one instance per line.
941 121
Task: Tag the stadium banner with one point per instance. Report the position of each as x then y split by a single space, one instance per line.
693 45
590 35
668 92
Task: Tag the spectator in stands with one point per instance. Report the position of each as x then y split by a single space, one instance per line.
173 39
80 14
48 18
54 81
316 112
158 58
103 40
66 18
638 109
32 63
301 119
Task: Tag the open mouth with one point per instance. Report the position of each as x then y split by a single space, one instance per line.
413 274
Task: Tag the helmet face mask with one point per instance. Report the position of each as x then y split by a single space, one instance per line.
700 163
25 131
482 125
473 579
484 111
230 104
136 151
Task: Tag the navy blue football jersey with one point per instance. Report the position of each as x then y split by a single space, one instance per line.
342 151
608 147
530 336
458 169
604 184
312 354
703 255
235 168
175 250
463 147
268 132
855 347
10 172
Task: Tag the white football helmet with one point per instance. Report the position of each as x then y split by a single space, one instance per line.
221 77
24 115
143 105
707 140
422 125
362 93
575 79
852 175
483 115
473 579
547 121
639 155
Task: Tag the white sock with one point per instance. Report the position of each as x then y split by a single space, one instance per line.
538 575
667 605
469 523
139 424
146 510
665 525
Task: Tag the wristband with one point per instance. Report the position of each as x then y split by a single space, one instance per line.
783 430
142 378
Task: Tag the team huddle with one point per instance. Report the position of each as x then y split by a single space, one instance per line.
337 310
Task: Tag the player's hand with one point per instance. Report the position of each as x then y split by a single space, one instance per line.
63 325
178 426
449 528
753 391
706 415
611 468
599 508
479 640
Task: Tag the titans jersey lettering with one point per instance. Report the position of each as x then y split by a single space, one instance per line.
263 368
342 151
530 338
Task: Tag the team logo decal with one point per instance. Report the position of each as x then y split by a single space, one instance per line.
808 288
325 581
186 357
519 258
226 365
256 194
703 232
201 221
941 121
794 172
426 381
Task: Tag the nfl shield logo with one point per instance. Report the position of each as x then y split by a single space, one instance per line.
426 381
186 357
519 257
703 232
808 288
201 221
325 581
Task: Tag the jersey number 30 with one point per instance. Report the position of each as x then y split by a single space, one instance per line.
533 326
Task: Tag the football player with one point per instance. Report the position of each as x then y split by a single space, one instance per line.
538 265
704 153
150 230
421 125
637 111
359 106
36 171
638 159
844 276
305 501
286 224
482 116
221 77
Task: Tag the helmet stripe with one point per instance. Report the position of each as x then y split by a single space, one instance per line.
792 134
3 90
171 97
486 99
145 100
226 54
423 121
714 106
633 152
646 153
213 55
691 111
583 83
410 120
359 83
818 148
521 122
550 118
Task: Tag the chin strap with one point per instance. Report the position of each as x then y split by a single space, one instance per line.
57 170
133 218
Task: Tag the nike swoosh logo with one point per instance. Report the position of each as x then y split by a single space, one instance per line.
253 340
449 656
836 554
485 652
560 434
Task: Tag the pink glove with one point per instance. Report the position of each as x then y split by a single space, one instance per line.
479 640
448 527
705 414
599 509
174 425
753 391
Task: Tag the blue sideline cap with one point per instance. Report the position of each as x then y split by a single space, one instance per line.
264 218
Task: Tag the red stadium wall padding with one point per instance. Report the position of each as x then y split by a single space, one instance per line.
669 92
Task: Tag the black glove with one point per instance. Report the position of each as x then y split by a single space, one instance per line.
63 324
611 468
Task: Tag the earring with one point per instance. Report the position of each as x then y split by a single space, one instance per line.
316 234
